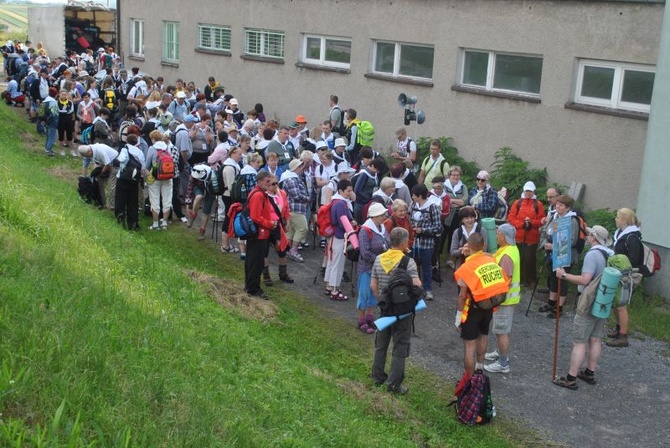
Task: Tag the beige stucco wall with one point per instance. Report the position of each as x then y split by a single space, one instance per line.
604 152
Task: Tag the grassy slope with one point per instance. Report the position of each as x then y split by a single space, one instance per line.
106 341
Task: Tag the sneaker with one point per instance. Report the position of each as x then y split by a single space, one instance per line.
492 356
496 367
564 382
590 379
429 295
164 225
295 256
154 227
399 389
322 244
230 249
201 234
184 219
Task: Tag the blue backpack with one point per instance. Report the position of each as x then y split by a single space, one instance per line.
87 136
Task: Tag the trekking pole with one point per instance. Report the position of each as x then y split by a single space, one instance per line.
558 317
537 280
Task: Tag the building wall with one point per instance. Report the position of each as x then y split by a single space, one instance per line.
602 151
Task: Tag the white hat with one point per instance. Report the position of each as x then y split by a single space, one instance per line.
343 167
376 209
233 101
529 186
340 142
201 171
321 145
181 94
160 145
295 164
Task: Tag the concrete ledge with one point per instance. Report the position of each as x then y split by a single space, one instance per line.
246 57
400 80
323 68
608 111
497 94
213 52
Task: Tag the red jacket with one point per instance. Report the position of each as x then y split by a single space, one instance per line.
517 216
259 210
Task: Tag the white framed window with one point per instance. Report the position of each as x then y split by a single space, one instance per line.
264 43
214 37
326 51
170 42
505 72
615 85
403 60
137 37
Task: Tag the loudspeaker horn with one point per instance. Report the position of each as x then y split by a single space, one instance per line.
420 116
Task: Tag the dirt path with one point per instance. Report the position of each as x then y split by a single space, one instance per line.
630 405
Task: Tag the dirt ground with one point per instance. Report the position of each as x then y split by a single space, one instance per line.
629 406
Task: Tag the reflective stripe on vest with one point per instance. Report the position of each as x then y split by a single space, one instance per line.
485 279
514 293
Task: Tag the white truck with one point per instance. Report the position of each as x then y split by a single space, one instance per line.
76 26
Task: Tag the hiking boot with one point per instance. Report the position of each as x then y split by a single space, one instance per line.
399 389
549 306
564 382
496 367
582 375
552 314
429 295
620 341
346 278
492 356
283 275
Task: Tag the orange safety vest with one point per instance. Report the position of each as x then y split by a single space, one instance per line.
484 277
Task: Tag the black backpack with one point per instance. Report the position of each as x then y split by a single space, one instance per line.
400 296
132 170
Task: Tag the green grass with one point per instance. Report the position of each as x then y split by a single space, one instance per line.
106 340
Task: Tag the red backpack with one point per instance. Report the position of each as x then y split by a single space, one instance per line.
164 166
323 221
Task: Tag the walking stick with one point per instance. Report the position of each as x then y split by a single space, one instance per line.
558 316
532 295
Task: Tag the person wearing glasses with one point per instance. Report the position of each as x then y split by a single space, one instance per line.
483 197
433 165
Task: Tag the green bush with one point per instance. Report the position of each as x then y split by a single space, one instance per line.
510 171
602 217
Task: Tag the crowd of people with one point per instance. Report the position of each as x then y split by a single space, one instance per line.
195 155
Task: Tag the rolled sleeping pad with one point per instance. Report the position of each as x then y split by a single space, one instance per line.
384 322
489 224
352 237
609 282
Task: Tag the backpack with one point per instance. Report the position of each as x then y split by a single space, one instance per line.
535 206
365 133
373 200
242 224
240 190
500 215
587 300
324 223
123 130
132 170
400 296
354 253
173 136
110 100
87 135
651 260
215 185
164 168
474 405
581 237
341 129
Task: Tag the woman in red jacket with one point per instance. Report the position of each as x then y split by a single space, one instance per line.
526 215
260 212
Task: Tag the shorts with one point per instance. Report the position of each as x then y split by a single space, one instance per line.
477 324
586 326
502 320
208 199
553 282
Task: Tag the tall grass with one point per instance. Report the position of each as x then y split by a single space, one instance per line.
107 340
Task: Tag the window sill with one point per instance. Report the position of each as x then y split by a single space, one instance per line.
135 57
497 94
608 111
247 57
324 68
213 52
400 80
170 64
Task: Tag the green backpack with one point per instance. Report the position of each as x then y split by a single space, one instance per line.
365 133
